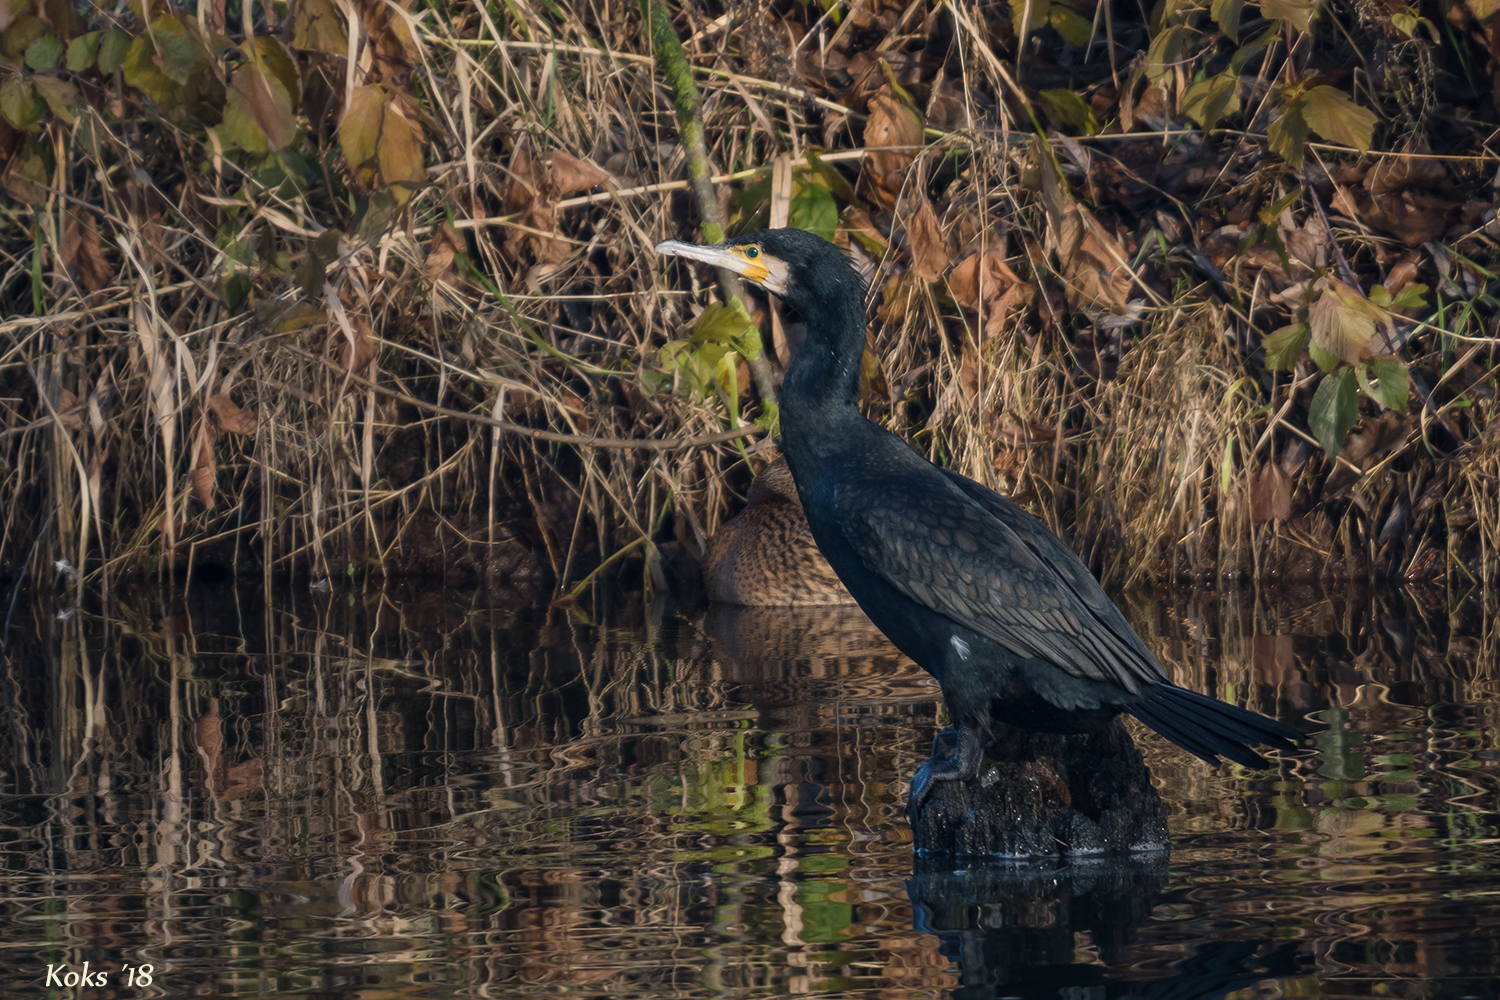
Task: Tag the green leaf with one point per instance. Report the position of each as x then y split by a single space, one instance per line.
1335 408
1390 385
45 53
728 325
1074 29
1286 134
814 210
1330 113
1380 296
113 48
1413 296
176 55
832 179
23 31
1322 358
1274 240
1165 51
1272 212
1066 108
82 51
234 290
1297 12
267 52
319 26
1284 347
161 62
1226 14
18 103
258 112
60 95
1244 53
1207 101
1039 10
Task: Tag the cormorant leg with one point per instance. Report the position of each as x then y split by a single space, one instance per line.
959 766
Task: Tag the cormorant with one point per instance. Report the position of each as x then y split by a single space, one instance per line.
974 589
765 556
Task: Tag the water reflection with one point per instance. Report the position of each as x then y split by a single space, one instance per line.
417 794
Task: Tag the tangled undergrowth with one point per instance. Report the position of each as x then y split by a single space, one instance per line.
349 287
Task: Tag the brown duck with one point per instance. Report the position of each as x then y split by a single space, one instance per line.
766 555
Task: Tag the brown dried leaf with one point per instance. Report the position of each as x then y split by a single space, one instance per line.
1343 200
570 175
980 277
1412 217
1343 321
525 178
81 249
231 417
1270 494
357 356
69 411
872 380
928 249
445 247
402 162
1393 174
987 285
580 411
892 123
204 467
1402 274
1090 259
1152 105
1012 432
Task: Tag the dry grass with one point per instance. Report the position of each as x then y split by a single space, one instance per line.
382 417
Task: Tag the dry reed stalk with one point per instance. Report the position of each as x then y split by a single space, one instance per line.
484 355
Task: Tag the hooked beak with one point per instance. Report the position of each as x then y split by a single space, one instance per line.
765 271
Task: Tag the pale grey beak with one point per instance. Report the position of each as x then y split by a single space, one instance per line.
712 253
765 270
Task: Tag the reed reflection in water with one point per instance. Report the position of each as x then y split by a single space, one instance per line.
416 794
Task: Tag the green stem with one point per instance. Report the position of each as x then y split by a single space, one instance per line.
673 60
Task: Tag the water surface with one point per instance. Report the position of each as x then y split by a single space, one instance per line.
409 794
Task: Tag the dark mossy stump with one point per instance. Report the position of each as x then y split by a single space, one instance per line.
1038 795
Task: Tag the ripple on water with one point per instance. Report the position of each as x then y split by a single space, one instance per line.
333 804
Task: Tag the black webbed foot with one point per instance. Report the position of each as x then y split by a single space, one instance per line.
955 757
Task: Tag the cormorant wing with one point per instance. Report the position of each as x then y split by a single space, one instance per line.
970 554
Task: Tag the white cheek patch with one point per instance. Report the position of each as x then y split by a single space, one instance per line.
960 647
778 276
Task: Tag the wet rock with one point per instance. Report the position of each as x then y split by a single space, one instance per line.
1039 795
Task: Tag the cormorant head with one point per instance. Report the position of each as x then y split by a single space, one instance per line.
803 269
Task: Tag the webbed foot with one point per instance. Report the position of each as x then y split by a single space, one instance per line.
947 763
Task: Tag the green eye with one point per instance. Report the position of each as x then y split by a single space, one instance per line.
752 252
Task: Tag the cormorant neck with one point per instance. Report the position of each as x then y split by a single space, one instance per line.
822 383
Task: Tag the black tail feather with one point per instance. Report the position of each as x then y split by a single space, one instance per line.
1211 729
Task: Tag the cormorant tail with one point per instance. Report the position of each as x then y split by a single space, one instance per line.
1210 729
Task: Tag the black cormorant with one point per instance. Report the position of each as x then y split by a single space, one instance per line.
974 589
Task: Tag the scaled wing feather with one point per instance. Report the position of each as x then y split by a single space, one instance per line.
985 563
